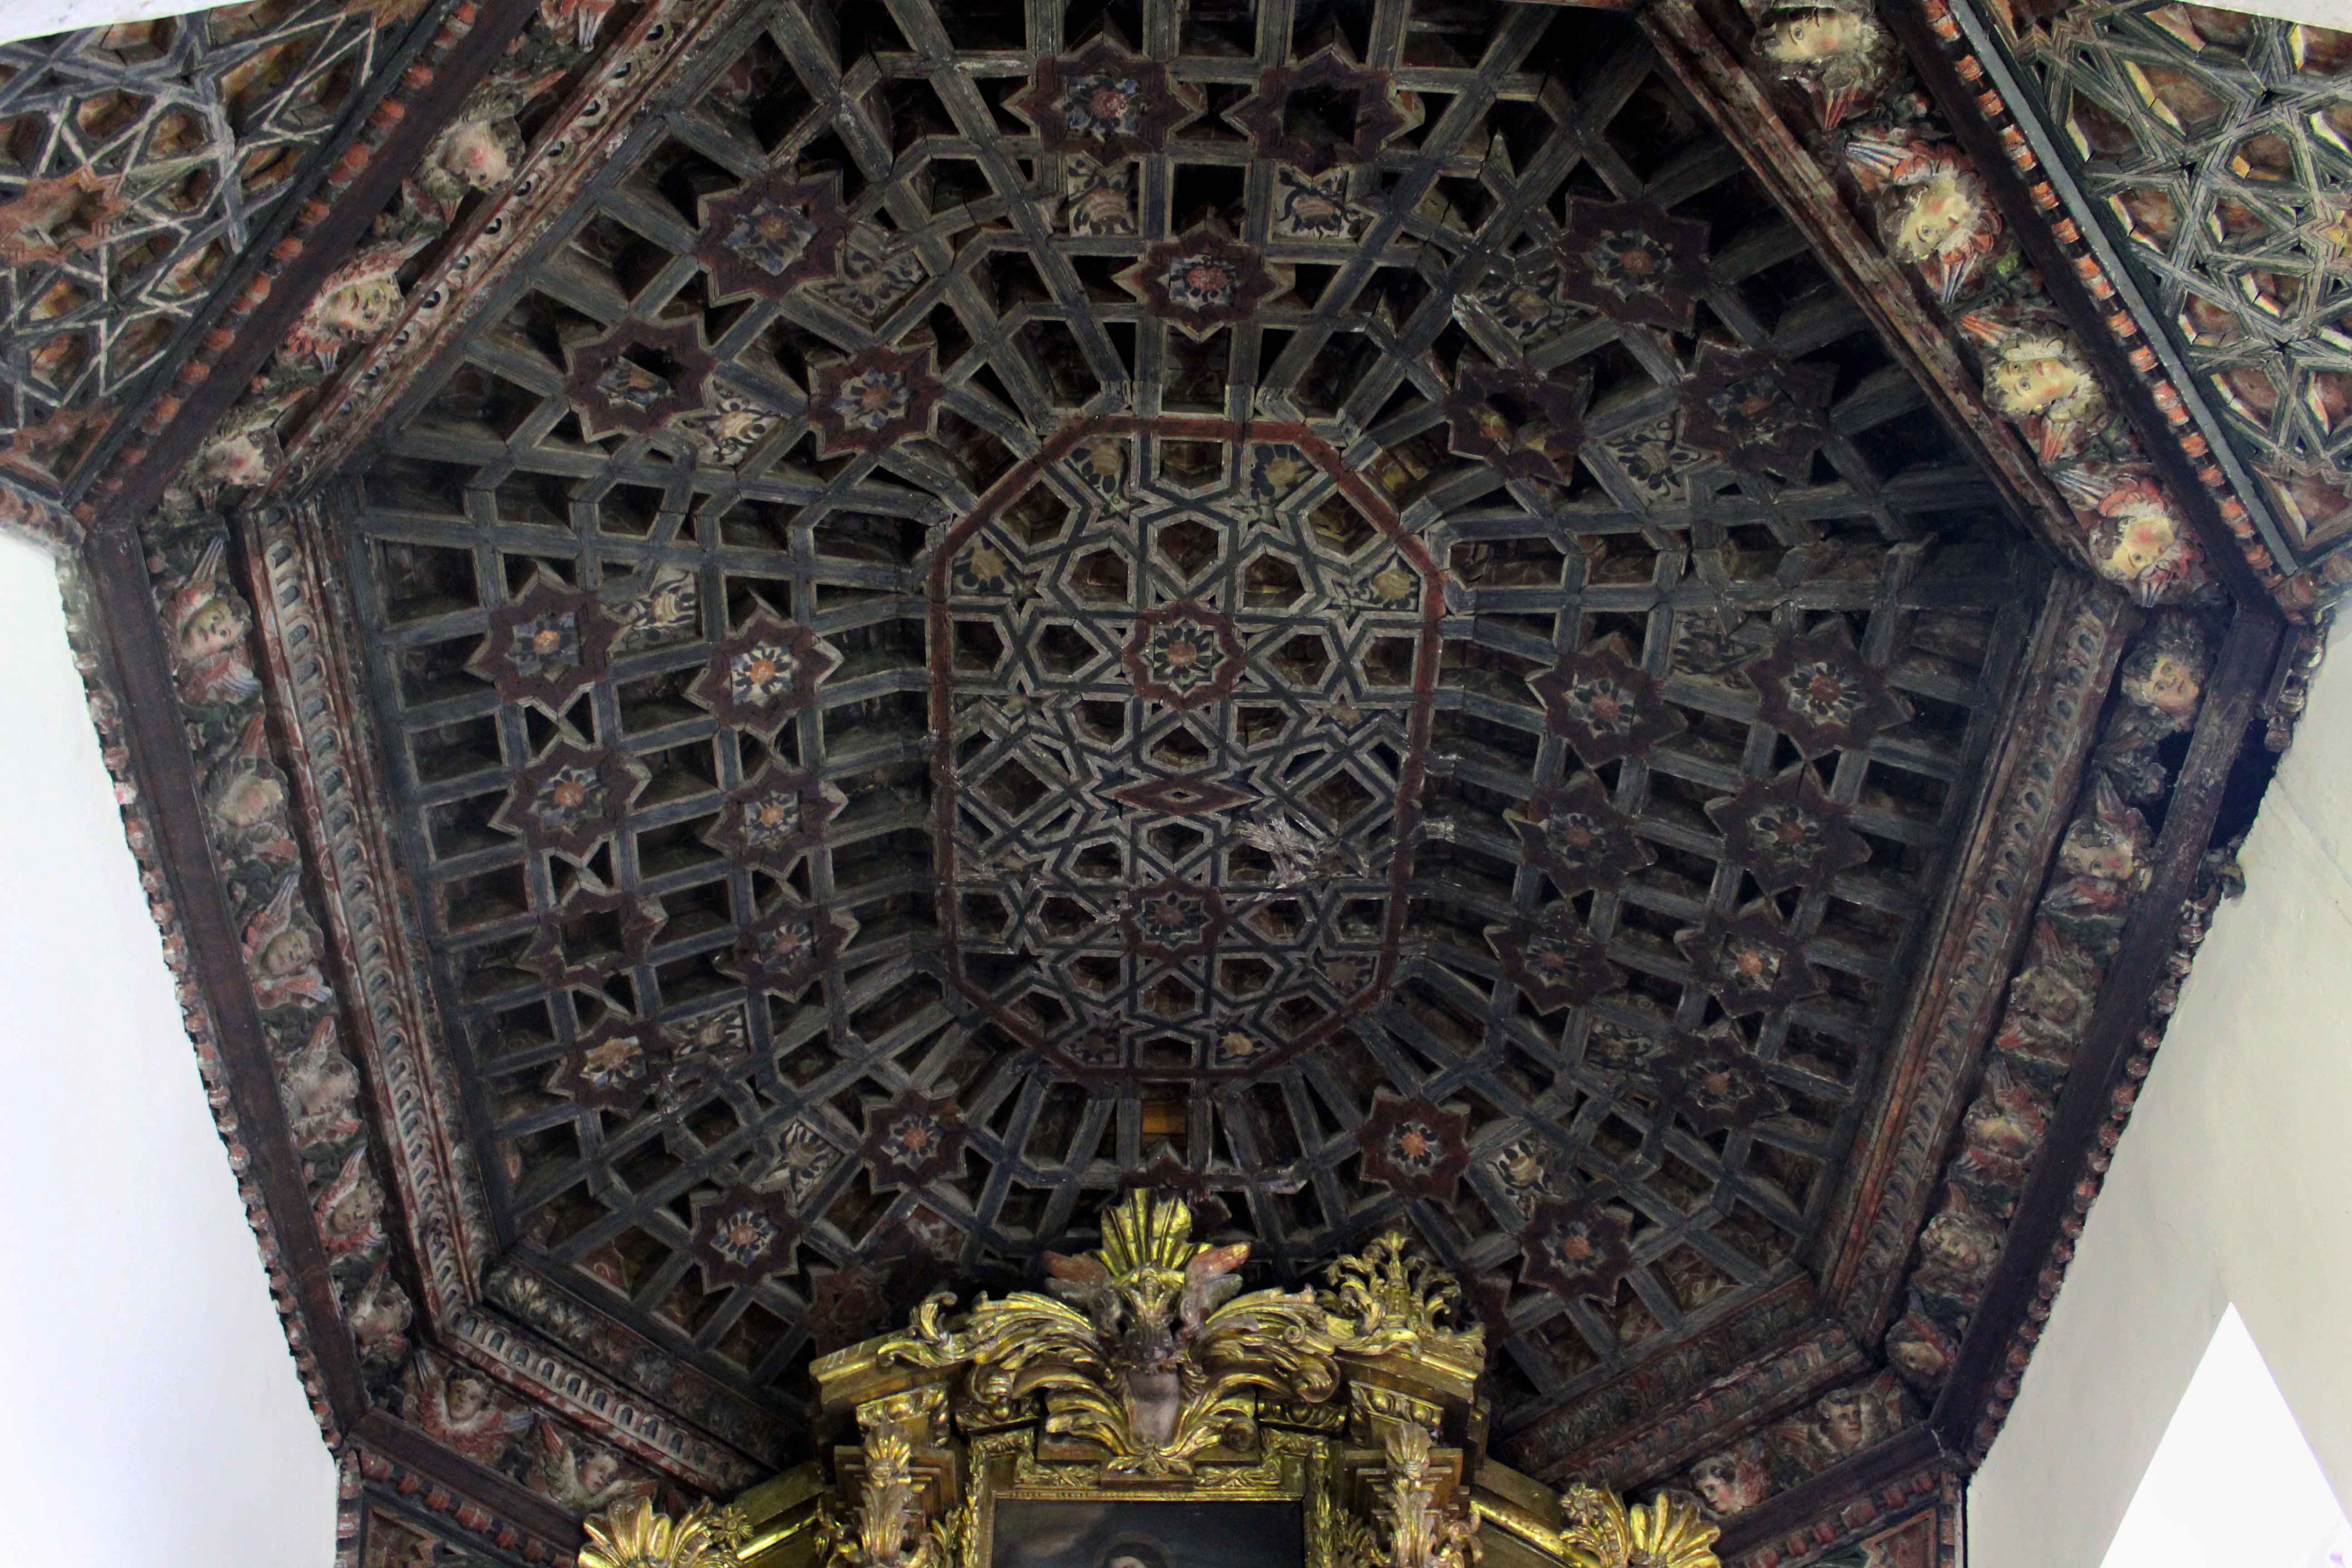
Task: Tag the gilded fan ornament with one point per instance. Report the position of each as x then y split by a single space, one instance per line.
1143 1347
634 1536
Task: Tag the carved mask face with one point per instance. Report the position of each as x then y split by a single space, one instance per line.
362 305
289 953
2142 538
477 155
1810 37
213 628
2031 383
1943 211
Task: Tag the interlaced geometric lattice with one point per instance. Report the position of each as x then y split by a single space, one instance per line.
137 162
1321 605
2219 148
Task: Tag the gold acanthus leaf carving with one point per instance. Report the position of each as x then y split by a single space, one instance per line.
1143 1347
1420 1534
634 1536
1600 1531
1392 1298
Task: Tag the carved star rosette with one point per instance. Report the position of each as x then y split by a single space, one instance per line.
1105 102
1754 410
913 1140
1414 1148
1376 112
1749 961
1172 919
1518 420
1714 1082
1578 838
545 646
1786 832
763 674
1184 654
1203 279
613 1066
743 1235
1554 960
1818 691
769 235
788 946
1572 1247
774 817
572 798
638 377
873 399
1604 706
1633 261
594 933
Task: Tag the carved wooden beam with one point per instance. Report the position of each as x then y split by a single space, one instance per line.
136 663
1709 70
325 230
1997 165
1985 1373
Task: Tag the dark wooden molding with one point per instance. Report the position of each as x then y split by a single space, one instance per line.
2030 784
235 349
402 1445
138 664
1823 1495
1983 145
2239 680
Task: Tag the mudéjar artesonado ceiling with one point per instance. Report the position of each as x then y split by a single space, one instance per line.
760 650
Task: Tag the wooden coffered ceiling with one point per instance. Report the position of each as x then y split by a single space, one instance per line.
762 650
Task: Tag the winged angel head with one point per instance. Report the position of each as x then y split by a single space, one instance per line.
1148 1347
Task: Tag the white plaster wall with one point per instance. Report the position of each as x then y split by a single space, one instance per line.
2233 1182
149 1410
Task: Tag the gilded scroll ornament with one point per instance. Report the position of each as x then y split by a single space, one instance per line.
1388 1298
1146 1351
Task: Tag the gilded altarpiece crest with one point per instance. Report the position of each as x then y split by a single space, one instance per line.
1146 1375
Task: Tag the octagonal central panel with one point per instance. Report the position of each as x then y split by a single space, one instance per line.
1181 683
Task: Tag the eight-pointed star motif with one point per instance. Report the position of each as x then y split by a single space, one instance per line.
546 644
1413 1147
741 1236
1579 839
1633 262
1755 410
1749 962
913 1139
1105 102
1605 706
1786 832
1554 960
1714 1082
1572 1247
763 674
571 796
1818 691
1203 279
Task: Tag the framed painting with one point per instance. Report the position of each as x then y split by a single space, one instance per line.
1119 1532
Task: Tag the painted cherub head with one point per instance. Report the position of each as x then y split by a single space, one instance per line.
1836 52
2040 375
2166 674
